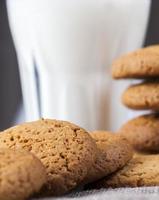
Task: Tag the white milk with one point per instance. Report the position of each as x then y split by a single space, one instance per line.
65 49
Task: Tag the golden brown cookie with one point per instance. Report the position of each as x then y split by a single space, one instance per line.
142 96
143 63
115 152
143 132
66 150
140 171
21 174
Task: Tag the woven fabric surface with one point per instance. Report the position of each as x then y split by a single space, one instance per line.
143 193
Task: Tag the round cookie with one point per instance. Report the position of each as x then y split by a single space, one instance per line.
142 96
115 152
21 174
140 171
143 63
143 132
66 150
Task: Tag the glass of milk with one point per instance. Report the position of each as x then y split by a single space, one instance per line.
65 50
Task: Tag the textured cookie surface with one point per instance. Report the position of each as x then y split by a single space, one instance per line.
115 152
21 174
143 63
143 132
140 171
66 150
142 96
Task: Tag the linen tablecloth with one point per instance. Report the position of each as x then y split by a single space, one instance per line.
142 193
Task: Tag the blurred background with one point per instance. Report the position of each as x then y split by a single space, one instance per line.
11 107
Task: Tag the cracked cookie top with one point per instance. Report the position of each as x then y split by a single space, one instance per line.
115 152
66 150
142 170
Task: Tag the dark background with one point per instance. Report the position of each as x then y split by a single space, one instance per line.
10 91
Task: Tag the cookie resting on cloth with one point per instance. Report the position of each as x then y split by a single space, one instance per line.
66 150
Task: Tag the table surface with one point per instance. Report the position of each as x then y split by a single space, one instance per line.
142 193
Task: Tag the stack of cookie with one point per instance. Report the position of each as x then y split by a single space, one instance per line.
141 170
143 131
65 156
143 64
51 157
